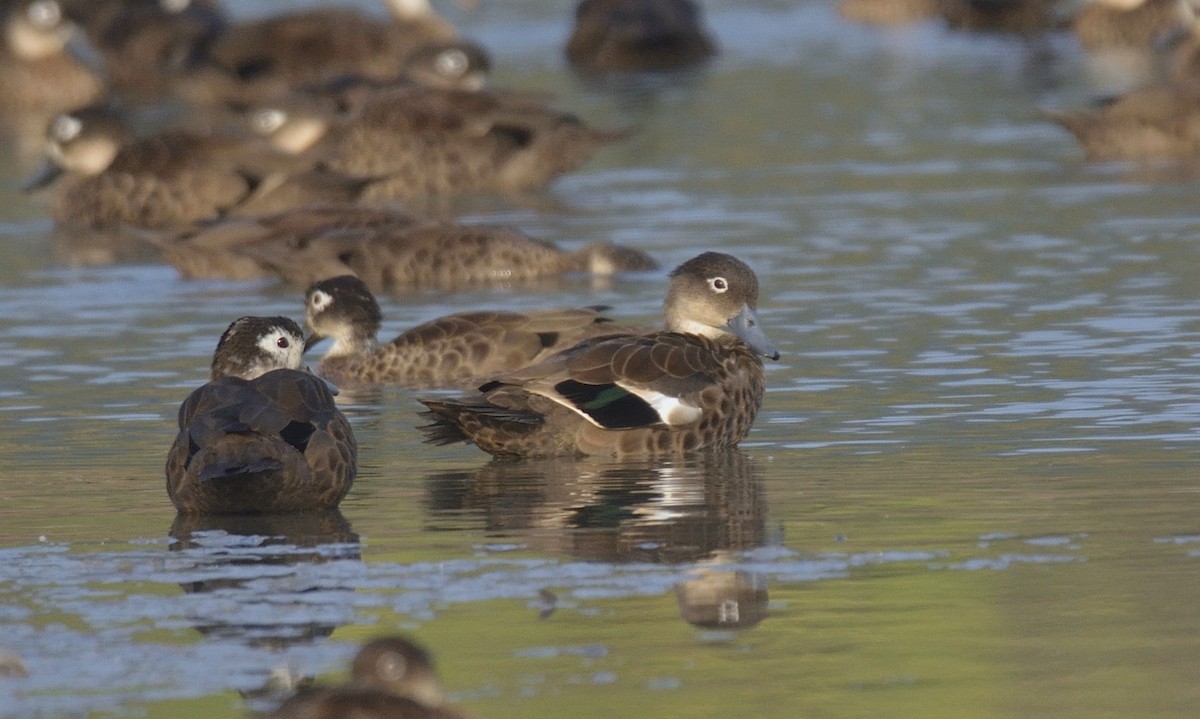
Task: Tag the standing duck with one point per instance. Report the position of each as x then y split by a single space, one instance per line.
261 435
697 384
453 350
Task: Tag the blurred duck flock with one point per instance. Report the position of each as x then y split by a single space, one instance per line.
672 358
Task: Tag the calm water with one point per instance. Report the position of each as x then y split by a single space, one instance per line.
971 491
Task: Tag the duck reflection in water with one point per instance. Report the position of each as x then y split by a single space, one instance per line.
664 511
703 509
265 567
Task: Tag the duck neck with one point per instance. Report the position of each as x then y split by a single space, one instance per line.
351 344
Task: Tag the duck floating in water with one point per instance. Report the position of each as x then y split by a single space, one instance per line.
261 435
453 350
698 384
390 678
633 35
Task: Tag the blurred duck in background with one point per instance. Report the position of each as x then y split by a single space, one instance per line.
146 46
634 35
431 143
271 56
172 178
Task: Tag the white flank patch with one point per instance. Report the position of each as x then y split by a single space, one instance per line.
673 410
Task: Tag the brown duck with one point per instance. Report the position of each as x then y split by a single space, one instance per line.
38 75
172 178
697 384
312 46
1149 124
390 678
453 350
387 249
261 435
627 35
424 142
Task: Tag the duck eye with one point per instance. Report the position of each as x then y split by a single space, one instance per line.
452 62
718 284
282 343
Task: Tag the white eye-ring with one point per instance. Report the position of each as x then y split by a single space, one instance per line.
452 62
320 300
65 128
717 284
265 122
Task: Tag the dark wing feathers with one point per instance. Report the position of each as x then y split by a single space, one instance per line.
610 406
667 362
288 403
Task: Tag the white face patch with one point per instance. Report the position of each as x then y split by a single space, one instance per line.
282 348
319 300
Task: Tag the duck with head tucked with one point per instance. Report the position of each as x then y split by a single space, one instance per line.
261 435
453 350
390 678
315 45
633 35
697 384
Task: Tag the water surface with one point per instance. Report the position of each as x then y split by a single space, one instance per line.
971 490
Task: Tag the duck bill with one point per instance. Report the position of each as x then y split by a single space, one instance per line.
745 326
42 177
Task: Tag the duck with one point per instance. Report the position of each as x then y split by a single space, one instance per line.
447 256
316 45
695 385
452 350
633 35
38 74
1022 17
1139 25
426 142
391 677
261 436
171 178
1154 123
223 248
390 250
146 46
